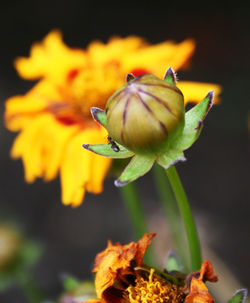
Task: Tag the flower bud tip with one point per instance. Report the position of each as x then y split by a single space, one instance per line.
130 77
119 183
243 292
210 95
170 76
99 115
94 111
86 146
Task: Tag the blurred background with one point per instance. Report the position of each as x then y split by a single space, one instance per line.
216 175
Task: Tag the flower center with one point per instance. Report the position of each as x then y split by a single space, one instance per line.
154 290
86 88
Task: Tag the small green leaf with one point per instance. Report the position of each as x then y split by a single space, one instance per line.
107 151
194 122
70 283
99 115
170 157
31 253
239 296
173 263
137 167
170 76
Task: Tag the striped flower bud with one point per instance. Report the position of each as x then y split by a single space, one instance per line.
145 114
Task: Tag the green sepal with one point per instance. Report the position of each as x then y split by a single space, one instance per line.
170 76
239 296
107 151
173 262
137 167
99 116
170 157
194 122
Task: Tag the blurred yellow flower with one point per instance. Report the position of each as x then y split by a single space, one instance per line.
53 118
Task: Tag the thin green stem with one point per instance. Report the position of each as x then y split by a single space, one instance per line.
133 205
172 214
187 217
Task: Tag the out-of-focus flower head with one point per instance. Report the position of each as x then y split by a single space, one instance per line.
53 118
121 276
10 243
17 255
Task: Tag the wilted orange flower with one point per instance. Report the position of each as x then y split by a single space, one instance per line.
53 118
121 276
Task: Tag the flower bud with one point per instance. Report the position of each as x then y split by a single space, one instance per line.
145 113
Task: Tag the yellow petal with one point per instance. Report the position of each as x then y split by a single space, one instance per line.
50 58
79 167
115 50
157 58
20 110
196 91
41 145
100 165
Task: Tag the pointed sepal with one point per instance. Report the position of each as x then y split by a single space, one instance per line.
194 122
239 296
137 167
170 76
130 77
195 116
99 116
173 262
106 150
170 157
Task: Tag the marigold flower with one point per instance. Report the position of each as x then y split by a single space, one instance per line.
121 276
53 118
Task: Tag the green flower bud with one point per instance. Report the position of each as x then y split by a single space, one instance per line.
145 114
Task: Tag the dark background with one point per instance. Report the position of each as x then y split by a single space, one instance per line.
216 174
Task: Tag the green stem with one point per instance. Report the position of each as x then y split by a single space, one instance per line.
187 217
132 202
172 214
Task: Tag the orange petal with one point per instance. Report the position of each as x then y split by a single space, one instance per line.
116 259
50 58
143 244
207 272
198 293
196 91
